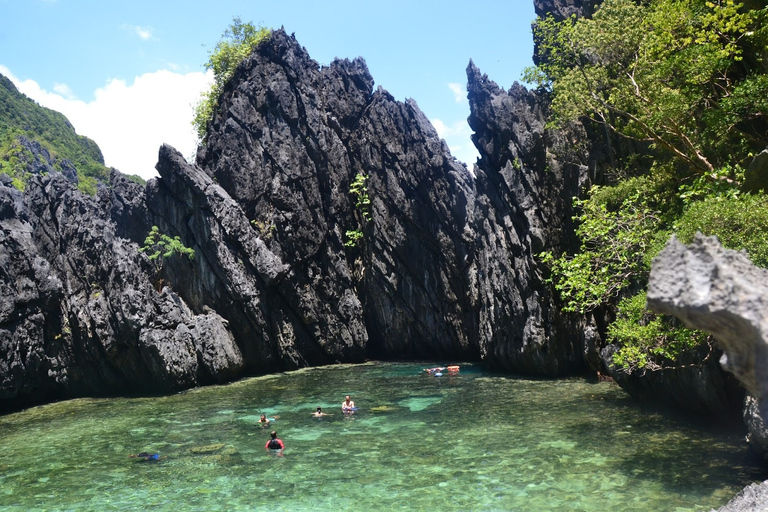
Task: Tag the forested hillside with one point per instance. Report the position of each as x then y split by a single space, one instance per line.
34 139
684 83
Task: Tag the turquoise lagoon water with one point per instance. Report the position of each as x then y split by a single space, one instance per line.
475 441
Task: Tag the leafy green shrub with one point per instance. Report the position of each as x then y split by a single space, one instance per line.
160 246
353 237
738 222
236 44
611 257
647 340
359 189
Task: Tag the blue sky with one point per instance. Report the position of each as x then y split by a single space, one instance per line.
126 73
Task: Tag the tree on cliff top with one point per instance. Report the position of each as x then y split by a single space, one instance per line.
236 44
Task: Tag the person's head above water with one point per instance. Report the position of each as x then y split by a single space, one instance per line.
319 409
273 434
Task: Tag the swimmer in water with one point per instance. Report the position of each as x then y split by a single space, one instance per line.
348 406
274 443
319 413
147 457
263 421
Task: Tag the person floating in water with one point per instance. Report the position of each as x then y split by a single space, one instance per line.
146 457
319 413
348 406
438 371
264 421
274 443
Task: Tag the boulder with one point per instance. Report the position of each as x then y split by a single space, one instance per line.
719 291
752 498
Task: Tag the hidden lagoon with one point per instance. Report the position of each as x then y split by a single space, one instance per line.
473 441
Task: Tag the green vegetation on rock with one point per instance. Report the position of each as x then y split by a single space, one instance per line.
236 44
687 82
359 189
159 246
35 139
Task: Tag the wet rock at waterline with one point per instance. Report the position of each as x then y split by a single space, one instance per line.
752 498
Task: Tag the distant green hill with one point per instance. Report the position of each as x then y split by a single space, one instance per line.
35 139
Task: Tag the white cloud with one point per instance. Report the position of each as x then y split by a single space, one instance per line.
144 33
131 122
459 94
458 137
63 90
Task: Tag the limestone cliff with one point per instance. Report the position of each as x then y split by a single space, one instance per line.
445 267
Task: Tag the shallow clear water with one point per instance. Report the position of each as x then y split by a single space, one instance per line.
476 441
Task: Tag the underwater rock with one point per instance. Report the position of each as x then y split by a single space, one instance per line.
207 449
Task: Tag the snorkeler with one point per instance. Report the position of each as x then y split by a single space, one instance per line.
147 457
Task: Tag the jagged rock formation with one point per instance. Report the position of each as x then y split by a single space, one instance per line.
562 9
280 317
719 291
445 269
288 141
752 498
39 160
524 206
78 313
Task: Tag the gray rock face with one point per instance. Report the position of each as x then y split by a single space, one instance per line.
282 314
78 313
523 208
287 143
757 431
719 291
562 9
752 498
39 161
